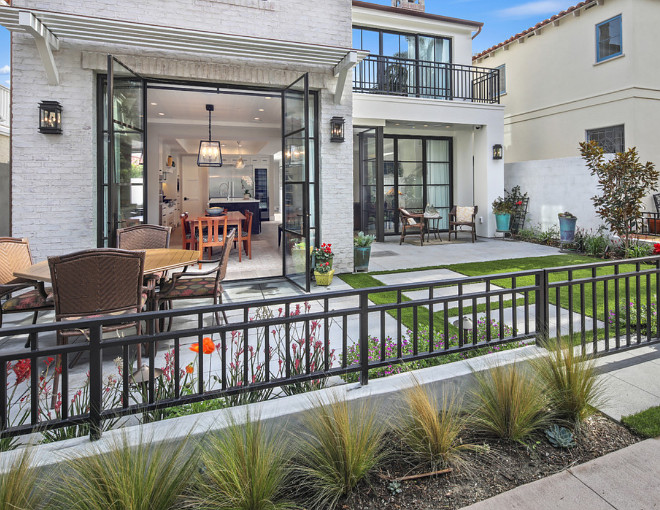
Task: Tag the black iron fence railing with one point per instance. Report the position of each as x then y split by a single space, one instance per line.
418 78
648 224
288 345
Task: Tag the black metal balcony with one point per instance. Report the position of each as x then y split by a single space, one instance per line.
377 74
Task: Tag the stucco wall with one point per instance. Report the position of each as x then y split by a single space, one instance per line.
54 184
555 89
554 186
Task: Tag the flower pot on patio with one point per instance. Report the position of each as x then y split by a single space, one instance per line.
324 279
654 226
567 227
503 221
361 256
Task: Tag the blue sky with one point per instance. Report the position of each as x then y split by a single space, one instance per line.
501 18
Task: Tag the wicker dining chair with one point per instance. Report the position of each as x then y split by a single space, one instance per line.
198 285
104 282
143 237
411 223
15 256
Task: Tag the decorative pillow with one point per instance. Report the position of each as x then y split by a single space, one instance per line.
464 214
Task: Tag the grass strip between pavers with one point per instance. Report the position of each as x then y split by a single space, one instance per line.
645 423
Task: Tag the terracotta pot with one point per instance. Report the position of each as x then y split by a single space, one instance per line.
654 226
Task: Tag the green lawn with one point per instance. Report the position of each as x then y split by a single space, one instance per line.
363 280
646 423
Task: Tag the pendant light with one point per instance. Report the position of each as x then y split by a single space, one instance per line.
240 163
209 153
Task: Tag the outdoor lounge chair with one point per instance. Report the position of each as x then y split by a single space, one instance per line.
462 217
97 283
411 223
196 285
14 256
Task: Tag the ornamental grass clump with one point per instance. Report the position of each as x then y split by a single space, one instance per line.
432 430
244 468
508 403
342 446
19 484
570 380
145 476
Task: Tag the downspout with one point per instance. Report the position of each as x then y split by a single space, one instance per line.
478 32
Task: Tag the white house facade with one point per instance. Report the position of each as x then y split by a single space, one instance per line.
141 85
588 73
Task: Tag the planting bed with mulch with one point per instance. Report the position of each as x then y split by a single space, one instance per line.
501 467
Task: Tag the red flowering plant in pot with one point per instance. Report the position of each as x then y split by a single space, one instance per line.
323 257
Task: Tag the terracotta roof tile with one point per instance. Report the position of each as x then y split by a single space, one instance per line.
534 28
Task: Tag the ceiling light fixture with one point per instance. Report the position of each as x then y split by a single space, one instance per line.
161 113
240 163
261 109
209 153
154 104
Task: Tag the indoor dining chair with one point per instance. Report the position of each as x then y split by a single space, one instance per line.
91 284
211 232
245 238
21 295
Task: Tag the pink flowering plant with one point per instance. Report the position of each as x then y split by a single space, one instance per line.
375 346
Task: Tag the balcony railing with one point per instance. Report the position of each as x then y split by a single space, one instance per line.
377 74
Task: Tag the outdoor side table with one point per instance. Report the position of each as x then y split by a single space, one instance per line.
432 220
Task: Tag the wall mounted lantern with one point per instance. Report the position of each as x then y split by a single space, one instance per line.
209 153
50 117
497 151
337 129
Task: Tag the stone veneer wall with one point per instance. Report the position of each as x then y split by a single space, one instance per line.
54 177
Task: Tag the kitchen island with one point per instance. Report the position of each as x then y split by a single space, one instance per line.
241 205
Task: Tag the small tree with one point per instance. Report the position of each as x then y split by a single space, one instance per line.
624 182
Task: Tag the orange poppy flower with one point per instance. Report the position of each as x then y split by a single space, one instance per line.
208 346
189 369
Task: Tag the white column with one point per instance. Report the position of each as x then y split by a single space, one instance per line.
488 175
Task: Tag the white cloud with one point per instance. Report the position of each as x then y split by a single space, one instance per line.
538 8
5 69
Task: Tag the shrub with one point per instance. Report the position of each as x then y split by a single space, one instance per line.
140 477
570 381
508 403
593 244
635 318
244 468
432 431
639 250
341 448
19 485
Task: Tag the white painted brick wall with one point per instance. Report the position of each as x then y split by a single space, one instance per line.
54 177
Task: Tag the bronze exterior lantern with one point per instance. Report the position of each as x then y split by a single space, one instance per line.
497 151
50 117
337 129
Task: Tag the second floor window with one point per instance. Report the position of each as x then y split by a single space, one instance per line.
611 139
502 70
609 39
402 45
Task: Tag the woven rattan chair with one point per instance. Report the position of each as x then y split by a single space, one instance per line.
411 223
15 256
462 218
105 282
143 237
207 284
246 236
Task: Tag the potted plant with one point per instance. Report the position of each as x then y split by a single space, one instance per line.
323 257
502 209
567 227
362 250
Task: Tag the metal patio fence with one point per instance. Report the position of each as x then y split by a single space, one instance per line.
288 345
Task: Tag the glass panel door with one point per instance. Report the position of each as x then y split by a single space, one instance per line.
368 161
296 185
123 181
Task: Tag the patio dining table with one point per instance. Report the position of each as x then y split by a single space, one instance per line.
155 261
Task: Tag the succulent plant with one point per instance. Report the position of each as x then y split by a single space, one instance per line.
560 437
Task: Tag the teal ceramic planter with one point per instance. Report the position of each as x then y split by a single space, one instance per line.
567 229
361 255
503 222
